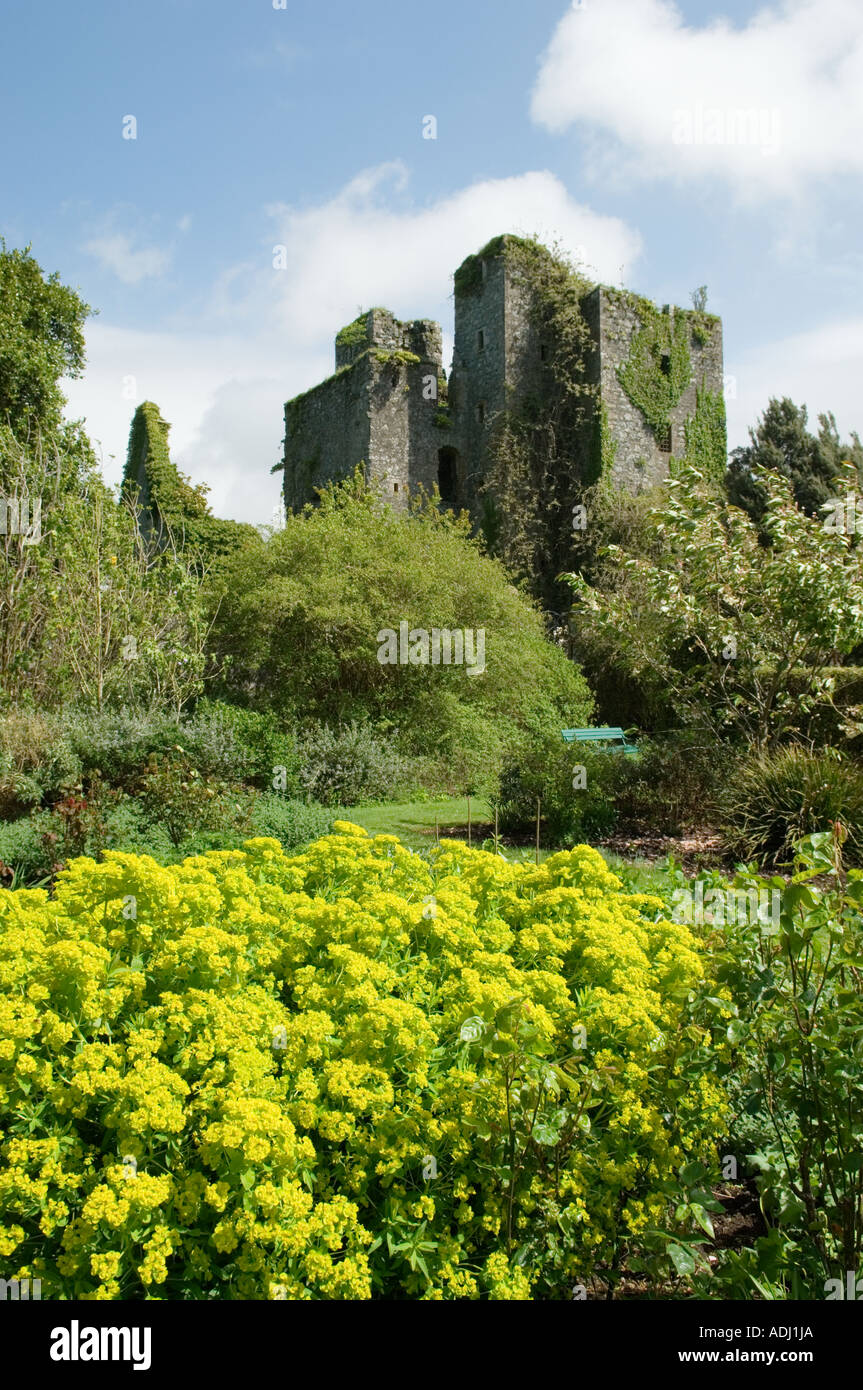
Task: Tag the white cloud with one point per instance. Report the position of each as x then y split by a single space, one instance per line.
820 369
272 330
115 253
769 107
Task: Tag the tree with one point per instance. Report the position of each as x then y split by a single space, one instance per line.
87 612
782 442
41 340
300 614
721 625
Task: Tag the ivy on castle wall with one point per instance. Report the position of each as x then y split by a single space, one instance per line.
706 435
468 277
659 366
166 499
150 470
544 446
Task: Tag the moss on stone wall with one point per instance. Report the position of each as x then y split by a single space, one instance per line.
468 277
398 355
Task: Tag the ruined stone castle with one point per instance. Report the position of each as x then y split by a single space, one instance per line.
391 407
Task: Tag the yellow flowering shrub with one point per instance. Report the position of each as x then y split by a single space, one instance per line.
347 1073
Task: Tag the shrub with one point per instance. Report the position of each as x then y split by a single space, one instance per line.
672 784
351 763
119 741
299 616
546 773
292 823
37 760
794 1063
241 745
174 795
776 798
347 1073
23 848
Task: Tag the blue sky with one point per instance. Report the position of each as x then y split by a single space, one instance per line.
612 125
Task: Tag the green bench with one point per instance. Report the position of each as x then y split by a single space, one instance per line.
610 740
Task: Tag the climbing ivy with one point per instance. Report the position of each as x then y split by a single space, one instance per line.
705 435
545 446
662 339
168 503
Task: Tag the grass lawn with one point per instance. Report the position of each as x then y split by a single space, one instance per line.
414 821
414 824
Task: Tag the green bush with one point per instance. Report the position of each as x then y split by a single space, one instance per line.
242 745
671 786
175 796
567 813
775 798
792 1060
349 764
300 616
119 741
37 760
292 823
23 848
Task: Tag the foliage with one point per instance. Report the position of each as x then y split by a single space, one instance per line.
547 448
37 760
41 340
671 786
662 338
86 611
348 1073
773 799
173 794
781 442
545 773
292 823
297 629
173 511
718 621
706 437
797 990
350 764
355 332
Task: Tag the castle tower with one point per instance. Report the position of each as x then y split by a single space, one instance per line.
378 409
384 408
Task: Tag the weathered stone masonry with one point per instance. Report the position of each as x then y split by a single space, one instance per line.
382 407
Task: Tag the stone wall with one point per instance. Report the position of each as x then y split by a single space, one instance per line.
327 433
477 387
639 460
377 410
